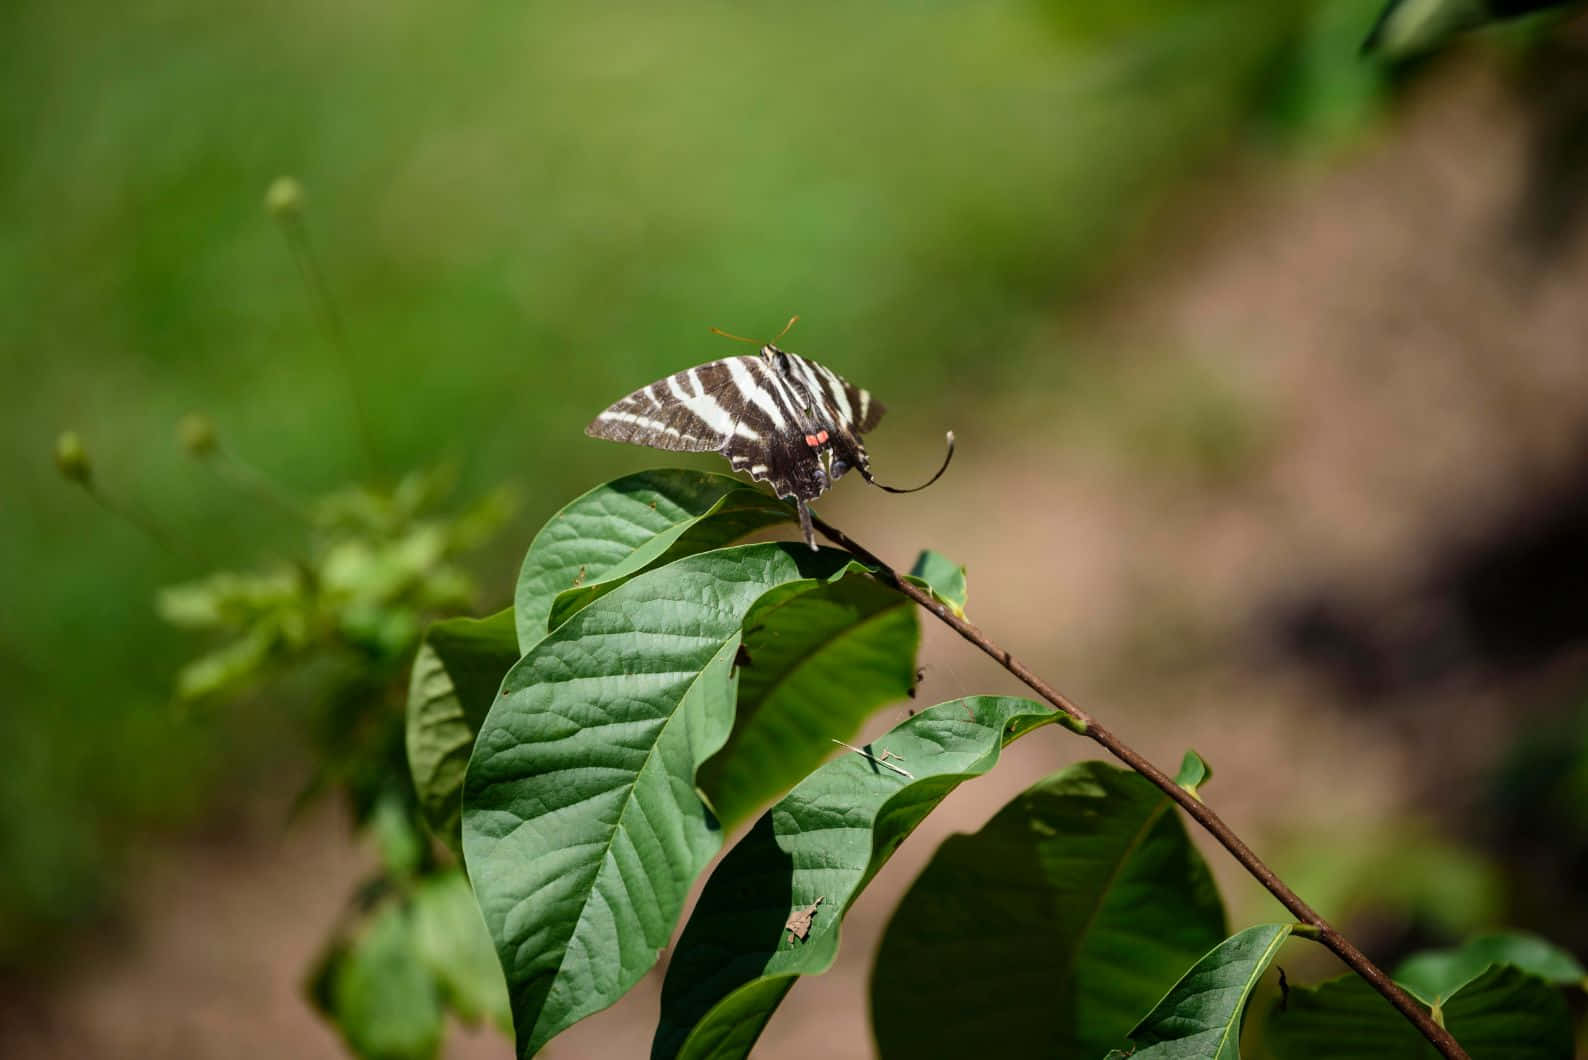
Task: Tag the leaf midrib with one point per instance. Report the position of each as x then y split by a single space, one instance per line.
848 631
624 567
628 802
1258 968
1102 895
983 762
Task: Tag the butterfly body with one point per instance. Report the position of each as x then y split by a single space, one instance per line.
781 418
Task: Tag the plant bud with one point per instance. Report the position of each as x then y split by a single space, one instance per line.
284 197
72 459
198 435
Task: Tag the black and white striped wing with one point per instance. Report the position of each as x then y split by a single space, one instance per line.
782 460
845 404
773 416
697 410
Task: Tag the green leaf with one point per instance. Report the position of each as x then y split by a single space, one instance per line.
230 665
1395 869
626 526
943 577
451 940
1503 1014
1405 30
228 599
398 837
1321 91
581 825
1434 975
824 841
1052 929
815 665
1200 1018
1194 772
456 674
385 1003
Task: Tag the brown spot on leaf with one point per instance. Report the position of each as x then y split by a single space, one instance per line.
798 924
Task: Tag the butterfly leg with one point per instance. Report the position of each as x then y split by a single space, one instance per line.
805 524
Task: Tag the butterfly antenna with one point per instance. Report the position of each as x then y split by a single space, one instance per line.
791 322
735 338
947 457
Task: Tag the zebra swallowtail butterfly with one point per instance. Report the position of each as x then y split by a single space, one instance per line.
782 418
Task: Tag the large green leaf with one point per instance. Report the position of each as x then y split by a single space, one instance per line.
581 824
1200 1018
1434 975
1052 929
815 665
1503 1014
822 843
456 674
625 526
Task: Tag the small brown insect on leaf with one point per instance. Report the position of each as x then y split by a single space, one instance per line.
742 657
578 579
799 921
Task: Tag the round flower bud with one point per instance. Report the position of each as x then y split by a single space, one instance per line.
197 434
284 197
72 459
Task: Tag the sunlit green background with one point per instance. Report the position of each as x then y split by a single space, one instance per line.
524 210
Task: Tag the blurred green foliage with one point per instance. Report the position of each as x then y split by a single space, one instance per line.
523 209
327 634
379 564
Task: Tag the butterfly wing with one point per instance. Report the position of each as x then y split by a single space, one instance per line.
695 411
780 418
768 440
739 407
855 404
843 403
843 410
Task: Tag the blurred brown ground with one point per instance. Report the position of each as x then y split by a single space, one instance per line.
1416 375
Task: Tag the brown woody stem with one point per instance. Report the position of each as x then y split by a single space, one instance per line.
1084 723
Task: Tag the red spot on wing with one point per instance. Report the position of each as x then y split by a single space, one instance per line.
810 440
821 436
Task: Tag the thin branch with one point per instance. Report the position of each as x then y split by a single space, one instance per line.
1320 929
297 233
248 477
144 524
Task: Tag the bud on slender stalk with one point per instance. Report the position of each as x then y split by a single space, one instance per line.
284 198
71 458
284 201
198 435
